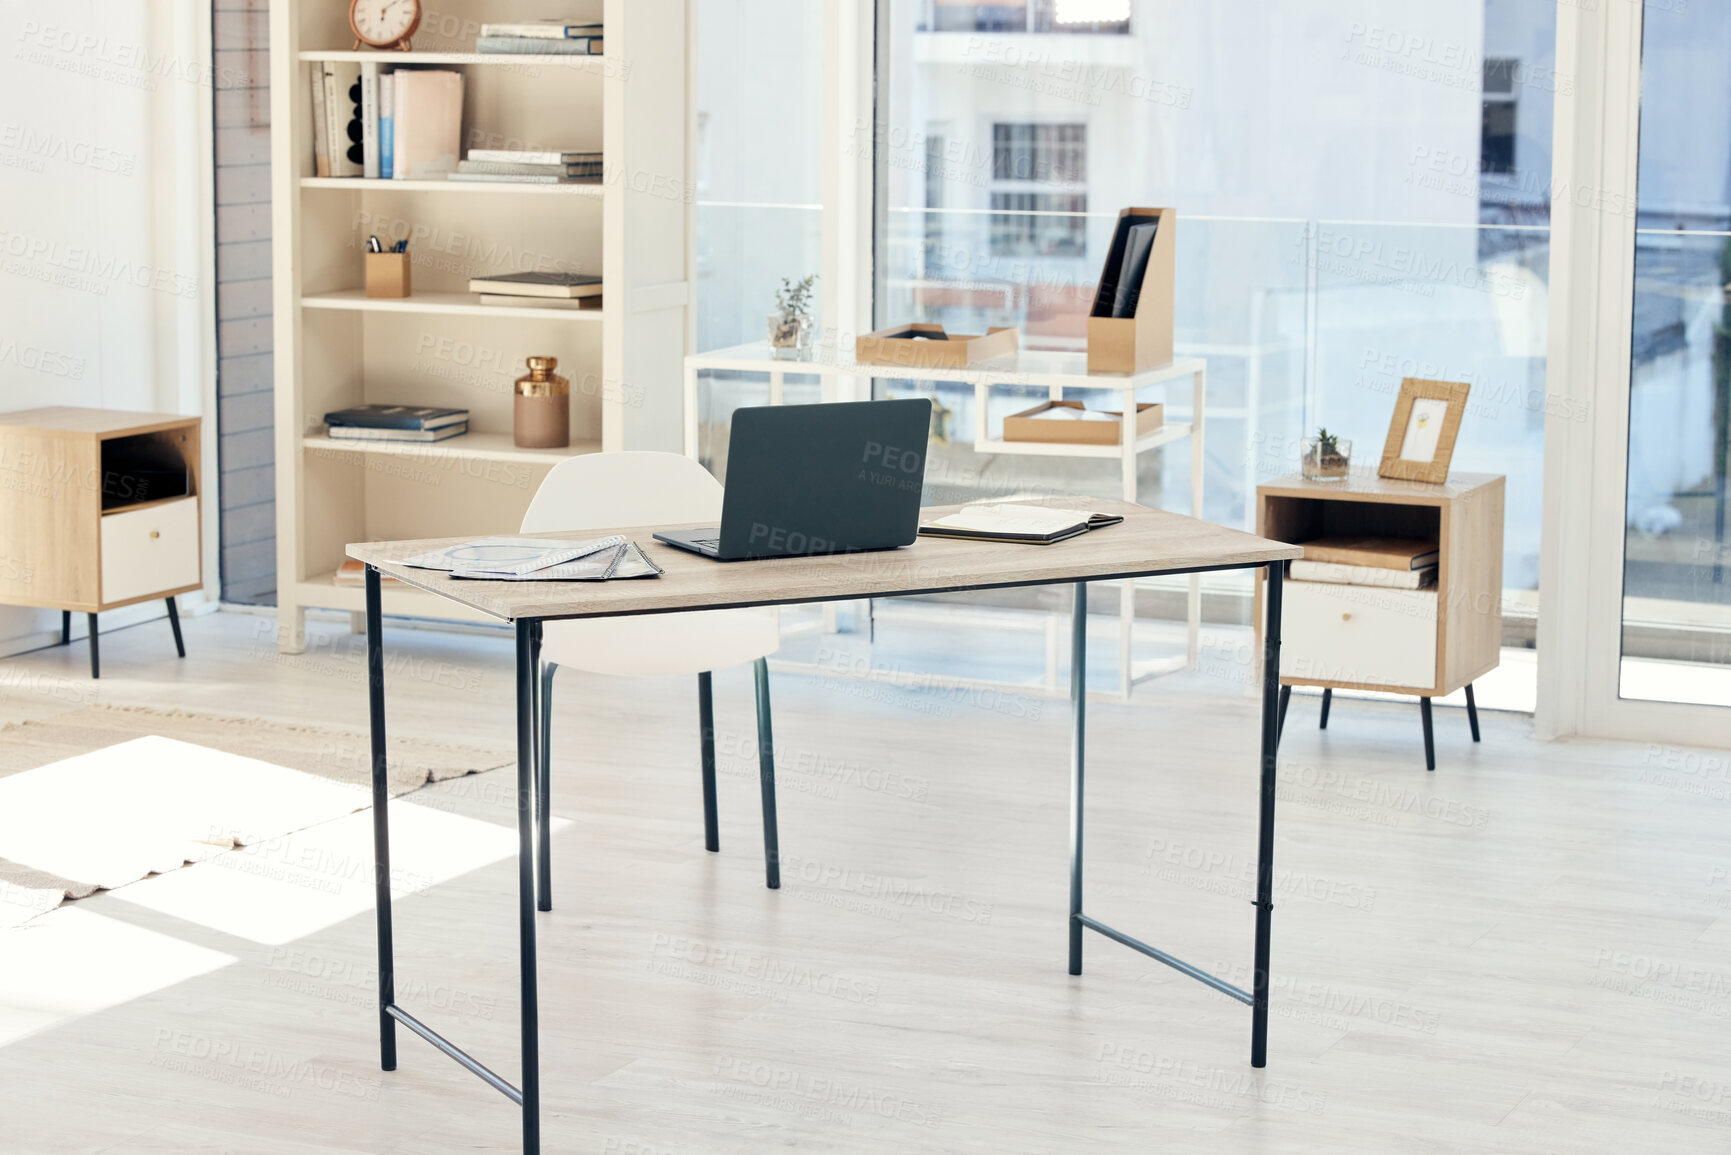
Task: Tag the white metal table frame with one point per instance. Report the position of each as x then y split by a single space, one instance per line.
534 827
1054 371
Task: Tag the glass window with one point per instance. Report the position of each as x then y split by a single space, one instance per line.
1676 637
1363 195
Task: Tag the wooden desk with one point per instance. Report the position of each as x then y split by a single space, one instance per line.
1148 542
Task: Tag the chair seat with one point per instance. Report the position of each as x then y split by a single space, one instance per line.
691 643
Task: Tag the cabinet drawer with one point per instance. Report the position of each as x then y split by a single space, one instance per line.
1341 633
147 551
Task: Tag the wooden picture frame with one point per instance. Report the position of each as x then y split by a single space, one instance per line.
1421 436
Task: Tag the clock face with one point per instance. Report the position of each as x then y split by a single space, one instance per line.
384 21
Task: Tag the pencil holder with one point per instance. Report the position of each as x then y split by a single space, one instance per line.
387 274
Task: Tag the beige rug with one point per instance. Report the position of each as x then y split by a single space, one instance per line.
104 795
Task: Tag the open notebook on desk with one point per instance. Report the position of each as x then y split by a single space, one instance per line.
536 559
1033 524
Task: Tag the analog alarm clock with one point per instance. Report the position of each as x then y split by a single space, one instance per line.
384 23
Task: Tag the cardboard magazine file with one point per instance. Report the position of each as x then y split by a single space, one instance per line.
1143 341
898 346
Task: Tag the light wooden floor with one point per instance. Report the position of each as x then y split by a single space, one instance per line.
1527 951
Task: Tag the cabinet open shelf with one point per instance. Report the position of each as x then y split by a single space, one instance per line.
478 446
539 59
375 184
450 304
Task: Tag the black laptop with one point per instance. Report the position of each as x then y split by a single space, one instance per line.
814 479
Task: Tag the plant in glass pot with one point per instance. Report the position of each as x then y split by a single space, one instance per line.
1325 457
790 326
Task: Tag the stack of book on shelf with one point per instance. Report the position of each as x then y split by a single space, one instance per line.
539 290
529 166
397 423
540 38
1387 562
371 121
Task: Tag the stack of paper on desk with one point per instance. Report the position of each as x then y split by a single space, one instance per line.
534 559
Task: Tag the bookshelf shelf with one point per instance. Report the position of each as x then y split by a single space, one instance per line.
449 304
370 184
335 347
476 446
555 60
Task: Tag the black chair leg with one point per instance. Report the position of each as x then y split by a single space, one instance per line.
1327 698
766 777
66 627
706 745
95 652
544 783
174 623
1429 744
1472 712
1280 721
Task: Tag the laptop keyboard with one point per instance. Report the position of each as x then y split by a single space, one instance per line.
707 541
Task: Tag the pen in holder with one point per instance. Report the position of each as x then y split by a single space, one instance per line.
388 274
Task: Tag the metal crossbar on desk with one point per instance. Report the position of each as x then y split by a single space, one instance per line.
1148 542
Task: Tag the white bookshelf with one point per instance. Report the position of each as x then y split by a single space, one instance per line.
337 347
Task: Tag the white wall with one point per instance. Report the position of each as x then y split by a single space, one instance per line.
105 224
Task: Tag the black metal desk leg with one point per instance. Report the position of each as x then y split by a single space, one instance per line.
527 685
1472 712
543 773
381 823
1265 823
1078 719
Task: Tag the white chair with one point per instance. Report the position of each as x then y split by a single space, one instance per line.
605 490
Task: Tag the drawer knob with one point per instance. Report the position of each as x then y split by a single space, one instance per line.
1343 617
154 535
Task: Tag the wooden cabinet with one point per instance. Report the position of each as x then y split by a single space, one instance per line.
1426 642
98 509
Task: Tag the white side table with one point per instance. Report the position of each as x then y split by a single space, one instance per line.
1054 371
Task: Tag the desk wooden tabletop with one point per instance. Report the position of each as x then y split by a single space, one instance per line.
1149 541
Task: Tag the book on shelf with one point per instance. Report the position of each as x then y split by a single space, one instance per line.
538 285
514 302
536 46
1394 553
1028 524
368 433
341 84
520 178
1336 573
427 107
387 126
354 573
321 126
523 168
396 416
370 119
533 156
542 30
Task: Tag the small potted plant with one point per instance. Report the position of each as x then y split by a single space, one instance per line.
1326 457
790 327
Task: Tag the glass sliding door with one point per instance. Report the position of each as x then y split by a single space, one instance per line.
1676 596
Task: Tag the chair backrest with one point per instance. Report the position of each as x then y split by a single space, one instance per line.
604 490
